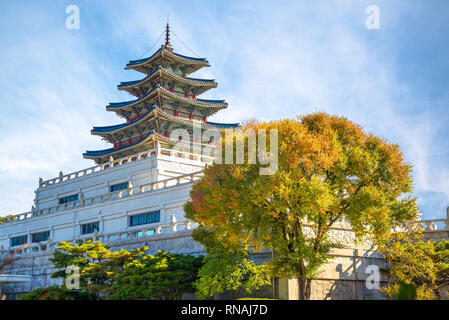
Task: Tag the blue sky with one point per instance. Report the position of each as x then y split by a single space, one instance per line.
272 60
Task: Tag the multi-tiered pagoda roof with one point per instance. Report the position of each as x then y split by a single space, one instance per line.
166 100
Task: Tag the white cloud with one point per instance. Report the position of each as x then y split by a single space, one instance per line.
270 62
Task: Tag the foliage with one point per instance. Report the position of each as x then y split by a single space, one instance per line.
329 171
97 264
123 274
9 216
55 293
414 261
162 276
230 272
8 262
406 291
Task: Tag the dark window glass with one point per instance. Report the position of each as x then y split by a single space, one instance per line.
17 241
68 199
142 219
89 228
40 236
118 187
150 217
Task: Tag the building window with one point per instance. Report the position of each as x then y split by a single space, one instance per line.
118 187
146 233
18 241
150 217
68 199
40 236
7 290
89 228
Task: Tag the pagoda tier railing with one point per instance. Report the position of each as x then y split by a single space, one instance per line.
143 233
117 162
110 196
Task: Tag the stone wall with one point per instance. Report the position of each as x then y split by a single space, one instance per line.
345 276
37 264
342 278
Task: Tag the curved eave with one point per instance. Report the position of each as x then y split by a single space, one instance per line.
130 85
105 153
219 104
110 151
206 125
195 146
111 129
140 62
196 102
220 125
163 52
119 105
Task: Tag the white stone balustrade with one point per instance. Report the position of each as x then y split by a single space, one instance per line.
136 157
152 186
109 238
435 225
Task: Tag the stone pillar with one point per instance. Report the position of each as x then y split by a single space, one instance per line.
81 200
446 223
355 255
130 186
173 222
288 289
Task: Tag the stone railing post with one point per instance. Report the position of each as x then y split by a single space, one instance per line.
130 187
48 243
446 222
173 223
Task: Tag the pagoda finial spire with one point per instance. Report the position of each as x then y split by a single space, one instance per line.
167 36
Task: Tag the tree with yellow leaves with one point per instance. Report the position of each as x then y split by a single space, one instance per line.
416 262
329 170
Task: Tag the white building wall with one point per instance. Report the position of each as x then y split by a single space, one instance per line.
173 233
138 172
113 215
110 210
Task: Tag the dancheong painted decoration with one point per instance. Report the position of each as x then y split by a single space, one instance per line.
166 100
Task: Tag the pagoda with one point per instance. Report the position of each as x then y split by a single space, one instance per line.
166 100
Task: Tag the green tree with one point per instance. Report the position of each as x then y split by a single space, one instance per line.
55 292
230 271
97 264
161 276
329 171
122 274
415 262
406 291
